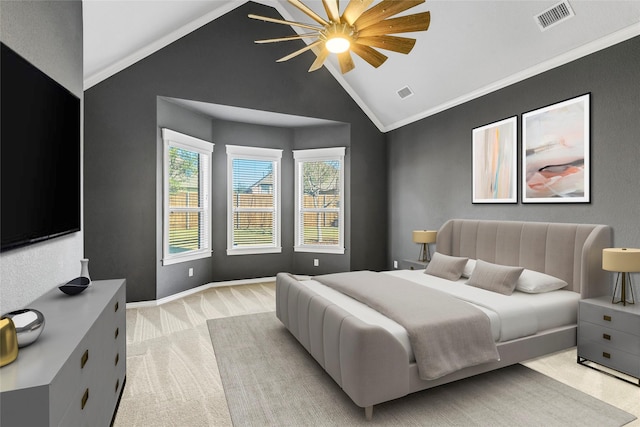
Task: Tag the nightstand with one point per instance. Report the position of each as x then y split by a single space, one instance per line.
609 335
413 264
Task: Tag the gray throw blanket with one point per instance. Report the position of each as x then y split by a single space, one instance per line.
446 334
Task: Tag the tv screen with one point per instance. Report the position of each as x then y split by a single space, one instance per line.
39 155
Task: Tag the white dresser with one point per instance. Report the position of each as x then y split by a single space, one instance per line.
609 335
74 374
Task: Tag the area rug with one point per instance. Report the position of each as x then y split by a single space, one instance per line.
270 380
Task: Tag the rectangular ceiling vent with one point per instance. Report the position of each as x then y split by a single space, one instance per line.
554 15
405 92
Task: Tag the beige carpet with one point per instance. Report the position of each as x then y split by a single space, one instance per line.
173 380
270 380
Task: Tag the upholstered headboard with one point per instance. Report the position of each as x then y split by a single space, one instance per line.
572 252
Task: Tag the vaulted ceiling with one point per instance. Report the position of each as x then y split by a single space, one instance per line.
471 48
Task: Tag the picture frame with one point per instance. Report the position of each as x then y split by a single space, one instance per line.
556 143
494 162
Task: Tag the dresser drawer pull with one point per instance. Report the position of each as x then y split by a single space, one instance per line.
606 355
117 358
117 385
606 337
116 307
85 398
84 359
607 318
117 333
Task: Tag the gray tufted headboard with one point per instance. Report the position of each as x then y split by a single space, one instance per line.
572 252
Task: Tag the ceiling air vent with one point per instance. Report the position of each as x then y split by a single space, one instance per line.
405 92
554 15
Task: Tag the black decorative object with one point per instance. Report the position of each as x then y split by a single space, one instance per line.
75 286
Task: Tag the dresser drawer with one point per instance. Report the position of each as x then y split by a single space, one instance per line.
610 357
610 317
609 337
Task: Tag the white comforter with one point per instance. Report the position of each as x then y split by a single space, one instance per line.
515 316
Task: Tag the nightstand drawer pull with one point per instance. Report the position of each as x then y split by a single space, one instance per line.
116 307
607 318
84 359
606 337
117 385
606 355
85 397
117 358
117 333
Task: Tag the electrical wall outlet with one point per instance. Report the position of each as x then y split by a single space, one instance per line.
316 262
190 271
395 264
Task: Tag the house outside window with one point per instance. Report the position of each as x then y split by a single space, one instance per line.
319 216
253 190
186 198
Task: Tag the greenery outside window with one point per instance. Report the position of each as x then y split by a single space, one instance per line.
319 220
253 191
186 198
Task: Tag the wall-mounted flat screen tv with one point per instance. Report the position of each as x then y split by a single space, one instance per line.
39 155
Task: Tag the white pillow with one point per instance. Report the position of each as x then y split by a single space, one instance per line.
534 282
468 269
445 266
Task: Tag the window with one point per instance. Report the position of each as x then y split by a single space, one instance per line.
319 224
253 189
187 205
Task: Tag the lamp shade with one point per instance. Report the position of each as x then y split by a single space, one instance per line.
424 236
622 260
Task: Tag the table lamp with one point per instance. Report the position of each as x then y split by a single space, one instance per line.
424 237
623 261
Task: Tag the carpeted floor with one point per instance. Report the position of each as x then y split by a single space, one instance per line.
270 380
173 379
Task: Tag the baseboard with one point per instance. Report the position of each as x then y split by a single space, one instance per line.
155 303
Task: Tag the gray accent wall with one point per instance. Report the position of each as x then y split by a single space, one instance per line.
49 35
430 160
219 63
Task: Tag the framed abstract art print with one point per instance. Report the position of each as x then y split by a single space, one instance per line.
494 162
555 153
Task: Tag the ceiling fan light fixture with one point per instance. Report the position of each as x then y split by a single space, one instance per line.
337 44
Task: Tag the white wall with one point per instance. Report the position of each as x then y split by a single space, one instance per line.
49 35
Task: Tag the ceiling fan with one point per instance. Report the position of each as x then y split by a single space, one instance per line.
357 30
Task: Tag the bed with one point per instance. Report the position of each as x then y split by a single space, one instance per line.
370 356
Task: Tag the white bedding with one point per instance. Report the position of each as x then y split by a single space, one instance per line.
511 317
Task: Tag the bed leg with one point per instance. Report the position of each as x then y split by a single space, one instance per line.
368 413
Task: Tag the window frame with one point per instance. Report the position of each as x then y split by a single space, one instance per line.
318 155
176 139
274 155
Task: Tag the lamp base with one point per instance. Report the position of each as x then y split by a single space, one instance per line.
424 256
623 290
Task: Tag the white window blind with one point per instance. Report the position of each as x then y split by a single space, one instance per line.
254 200
319 222
187 205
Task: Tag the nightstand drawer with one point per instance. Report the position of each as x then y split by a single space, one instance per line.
610 357
609 337
611 317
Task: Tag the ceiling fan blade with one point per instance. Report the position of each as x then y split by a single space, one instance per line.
384 9
403 24
332 9
369 54
346 62
321 57
396 44
354 9
287 38
280 21
319 19
299 51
